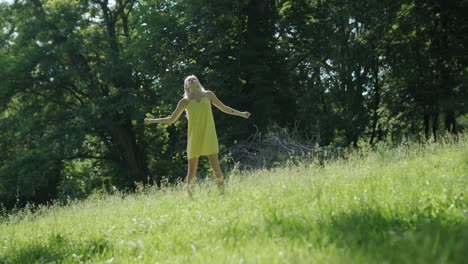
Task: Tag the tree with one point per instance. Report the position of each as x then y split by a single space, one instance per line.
426 39
72 91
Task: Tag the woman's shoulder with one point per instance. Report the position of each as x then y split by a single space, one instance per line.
184 101
209 94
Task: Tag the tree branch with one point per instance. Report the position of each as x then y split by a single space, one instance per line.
86 156
109 21
30 91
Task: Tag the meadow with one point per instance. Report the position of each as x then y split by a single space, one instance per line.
387 205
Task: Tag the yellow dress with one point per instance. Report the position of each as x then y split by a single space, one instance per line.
201 134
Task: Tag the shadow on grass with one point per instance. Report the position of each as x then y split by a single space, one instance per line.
369 236
414 238
57 249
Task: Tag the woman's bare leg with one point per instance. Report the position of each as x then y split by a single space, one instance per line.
192 174
214 163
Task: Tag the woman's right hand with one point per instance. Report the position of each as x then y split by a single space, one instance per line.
246 115
147 120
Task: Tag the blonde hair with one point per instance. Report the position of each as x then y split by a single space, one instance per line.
188 89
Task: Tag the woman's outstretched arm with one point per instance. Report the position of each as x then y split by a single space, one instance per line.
172 118
224 108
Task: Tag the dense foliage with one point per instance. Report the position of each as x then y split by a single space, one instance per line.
78 77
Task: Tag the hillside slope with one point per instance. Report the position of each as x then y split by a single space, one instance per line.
406 205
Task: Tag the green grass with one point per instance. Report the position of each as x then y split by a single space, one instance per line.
406 205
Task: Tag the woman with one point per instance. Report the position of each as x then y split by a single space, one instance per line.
201 134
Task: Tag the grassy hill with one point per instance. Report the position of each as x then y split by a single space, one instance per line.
405 205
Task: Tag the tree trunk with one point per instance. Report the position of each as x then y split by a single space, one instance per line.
444 60
126 151
380 133
375 114
129 156
435 125
450 122
426 121
256 60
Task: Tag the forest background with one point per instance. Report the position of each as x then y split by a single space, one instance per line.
320 77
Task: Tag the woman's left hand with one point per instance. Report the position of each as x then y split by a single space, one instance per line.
246 115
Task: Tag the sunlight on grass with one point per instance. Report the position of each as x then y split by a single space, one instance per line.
406 205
